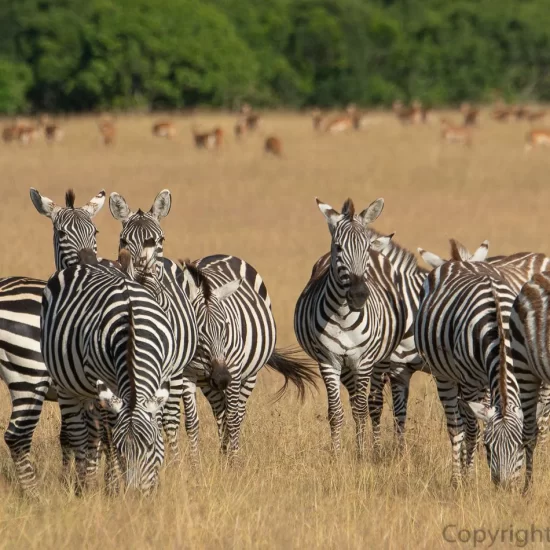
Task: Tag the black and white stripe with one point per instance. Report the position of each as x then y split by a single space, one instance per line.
139 230
460 332
351 315
104 337
237 336
21 364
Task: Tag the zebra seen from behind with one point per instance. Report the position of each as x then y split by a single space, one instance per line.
460 332
105 338
21 364
237 336
351 316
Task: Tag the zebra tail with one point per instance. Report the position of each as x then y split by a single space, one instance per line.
295 368
502 349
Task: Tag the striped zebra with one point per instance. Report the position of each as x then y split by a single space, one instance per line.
351 316
460 332
21 365
516 269
105 338
530 342
141 229
237 336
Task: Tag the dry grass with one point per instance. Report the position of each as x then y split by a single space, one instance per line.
287 492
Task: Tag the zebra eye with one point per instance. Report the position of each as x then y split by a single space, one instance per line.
123 243
61 233
338 248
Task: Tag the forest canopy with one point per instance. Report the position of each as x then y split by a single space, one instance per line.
80 55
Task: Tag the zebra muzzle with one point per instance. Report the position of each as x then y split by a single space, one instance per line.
358 292
220 376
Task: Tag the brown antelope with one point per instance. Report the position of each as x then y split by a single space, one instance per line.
107 130
208 140
535 138
251 119
164 129
357 117
52 132
469 113
455 134
408 115
240 128
532 116
339 124
501 112
520 111
273 145
317 117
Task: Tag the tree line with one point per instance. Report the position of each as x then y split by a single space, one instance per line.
82 55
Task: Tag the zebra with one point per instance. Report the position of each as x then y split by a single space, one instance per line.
105 339
21 365
237 336
460 332
530 349
350 316
516 268
141 229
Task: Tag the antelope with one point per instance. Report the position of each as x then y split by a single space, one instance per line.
52 132
469 113
240 128
273 145
339 124
537 137
251 119
455 134
357 117
164 129
501 112
520 111
408 115
536 115
208 140
107 129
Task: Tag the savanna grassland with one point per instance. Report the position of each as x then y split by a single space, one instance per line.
286 492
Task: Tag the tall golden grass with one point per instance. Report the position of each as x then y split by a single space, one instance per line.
287 491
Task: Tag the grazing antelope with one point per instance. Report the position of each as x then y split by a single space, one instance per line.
537 137
107 130
208 140
273 145
455 134
164 129
469 113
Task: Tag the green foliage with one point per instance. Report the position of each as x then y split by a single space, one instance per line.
89 54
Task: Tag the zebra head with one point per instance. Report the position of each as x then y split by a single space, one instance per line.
351 244
213 323
141 228
73 229
136 435
503 440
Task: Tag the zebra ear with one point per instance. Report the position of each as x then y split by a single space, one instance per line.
94 205
119 208
482 411
162 204
190 285
330 214
372 212
227 289
159 399
45 206
381 242
107 399
433 260
481 253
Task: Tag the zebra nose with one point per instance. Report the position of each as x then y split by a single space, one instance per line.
358 292
220 375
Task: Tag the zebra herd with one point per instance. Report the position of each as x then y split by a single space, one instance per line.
123 345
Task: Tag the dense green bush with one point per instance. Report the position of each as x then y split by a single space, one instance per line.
89 54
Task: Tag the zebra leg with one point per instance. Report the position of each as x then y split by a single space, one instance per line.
331 378
448 395
544 419
472 431
217 403
66 452
357 386
376 401
247 386
26 408
232 417
94 425
400 384
171 415
191 418
77 430
112 466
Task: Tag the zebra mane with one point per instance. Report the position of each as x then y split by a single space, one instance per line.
501 351
131 355
125 259
69 198
201 280
408 260
348 209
